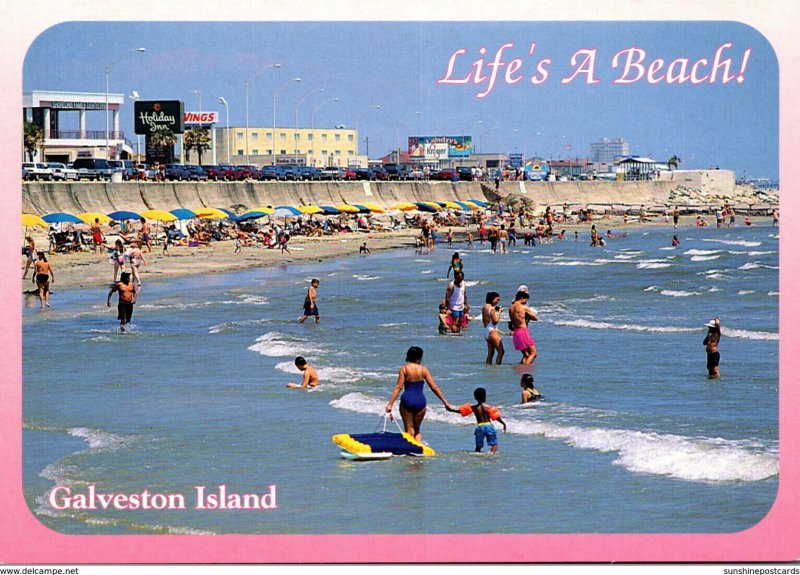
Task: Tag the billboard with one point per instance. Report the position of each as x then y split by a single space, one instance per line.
431 148
155 115
537 170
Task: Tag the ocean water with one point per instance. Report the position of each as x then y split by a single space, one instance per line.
632 437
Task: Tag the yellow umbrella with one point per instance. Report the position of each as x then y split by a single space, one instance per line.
211 213
311 209
29 220
473 205
266 210
404 206
374 207
89 217
159 215
451 205
347 208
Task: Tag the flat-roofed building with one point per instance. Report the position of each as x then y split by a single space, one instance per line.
63 116
607 150
305 146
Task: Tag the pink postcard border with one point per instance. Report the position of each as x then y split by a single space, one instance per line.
24 540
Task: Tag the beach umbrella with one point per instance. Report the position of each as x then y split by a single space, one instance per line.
374 207
362 208
452 205
183 214
159 215
61 217
124 215
212 213
348 208
436 205
480 203
29 220
229 213
465 206
472 205
265 209
425 207
253 215
287 211
311 209
90 217
329 210
404 206
291 210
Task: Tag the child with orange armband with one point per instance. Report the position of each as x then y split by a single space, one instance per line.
485 431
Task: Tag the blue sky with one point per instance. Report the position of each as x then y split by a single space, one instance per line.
396 65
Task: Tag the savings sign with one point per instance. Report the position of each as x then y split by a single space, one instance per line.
199 118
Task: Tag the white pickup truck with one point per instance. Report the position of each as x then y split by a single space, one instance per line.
36 171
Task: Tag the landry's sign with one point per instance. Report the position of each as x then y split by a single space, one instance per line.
155 115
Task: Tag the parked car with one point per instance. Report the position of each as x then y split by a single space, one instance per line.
378 173
397 171
291 172
309 173
446 175
214 173
363 174
465 173
272 173
196 173
62 172
246 172
36 171
173 172
93 168
228 171
124 166
331 173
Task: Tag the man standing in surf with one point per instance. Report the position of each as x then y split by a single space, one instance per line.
456 300
310 303
712 342
520 314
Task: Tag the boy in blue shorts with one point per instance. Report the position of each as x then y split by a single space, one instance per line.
485 431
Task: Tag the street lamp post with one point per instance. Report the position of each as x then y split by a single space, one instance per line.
296 113
314 111
224 102
108 71
274 108
134 95
247 109
355 124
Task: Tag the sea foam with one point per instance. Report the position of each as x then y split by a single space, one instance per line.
686 458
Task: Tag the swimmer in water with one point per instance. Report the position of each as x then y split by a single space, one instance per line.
310 377
529 393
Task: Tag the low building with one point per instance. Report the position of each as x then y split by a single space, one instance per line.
62 116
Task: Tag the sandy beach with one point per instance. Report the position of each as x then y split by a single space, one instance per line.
86 269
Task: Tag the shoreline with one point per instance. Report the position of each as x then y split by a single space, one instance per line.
89 270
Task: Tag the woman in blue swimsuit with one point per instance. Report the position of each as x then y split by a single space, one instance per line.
411 380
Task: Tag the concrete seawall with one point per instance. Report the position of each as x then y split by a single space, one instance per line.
72 197
698 189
